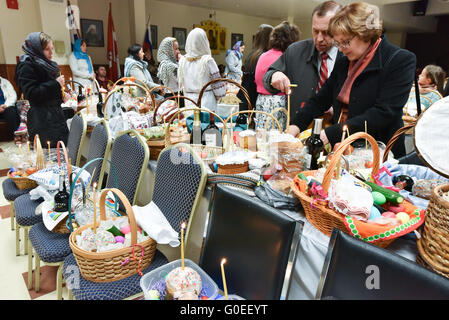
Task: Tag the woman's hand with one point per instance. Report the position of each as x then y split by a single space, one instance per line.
61 80
294 130
66 97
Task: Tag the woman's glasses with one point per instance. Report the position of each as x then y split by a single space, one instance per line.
344 44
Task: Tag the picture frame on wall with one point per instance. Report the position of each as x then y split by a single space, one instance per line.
236 37
154 39
181 35
92 32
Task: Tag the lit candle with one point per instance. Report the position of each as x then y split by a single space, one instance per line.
28 149
87 101
20 149
225 288
183 226
94 187
71 82
49 152
344 133
366 131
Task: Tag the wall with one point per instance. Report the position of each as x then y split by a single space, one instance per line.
168 15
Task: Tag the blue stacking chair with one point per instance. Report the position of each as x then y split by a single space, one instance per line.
177 190
52 247
25 208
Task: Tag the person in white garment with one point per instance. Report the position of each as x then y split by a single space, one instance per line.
196 68
81 65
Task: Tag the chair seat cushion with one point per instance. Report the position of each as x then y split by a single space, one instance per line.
83 289
10 190
26 210
50 246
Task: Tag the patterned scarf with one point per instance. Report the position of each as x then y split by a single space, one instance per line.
168 65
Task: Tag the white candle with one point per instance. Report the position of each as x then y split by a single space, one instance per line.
225 288
183 226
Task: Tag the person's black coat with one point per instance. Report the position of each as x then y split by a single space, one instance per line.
377 96
45 117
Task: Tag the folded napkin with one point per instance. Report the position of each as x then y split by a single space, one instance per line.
151 219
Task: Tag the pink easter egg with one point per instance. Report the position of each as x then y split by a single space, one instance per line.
388 214
119 239
126 229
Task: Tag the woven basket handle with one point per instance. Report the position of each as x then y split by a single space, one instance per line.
245 93
342 148
129 211
175 98
167 129
40 159
395 137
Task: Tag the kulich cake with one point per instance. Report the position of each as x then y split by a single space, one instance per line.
181 281
247 140
234 162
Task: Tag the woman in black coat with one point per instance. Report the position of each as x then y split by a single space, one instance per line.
38 77
370 83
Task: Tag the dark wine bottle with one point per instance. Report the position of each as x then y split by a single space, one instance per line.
100 105
62 197
211 135
241 120
197 132
314 146
81 95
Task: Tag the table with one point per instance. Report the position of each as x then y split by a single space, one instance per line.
312 248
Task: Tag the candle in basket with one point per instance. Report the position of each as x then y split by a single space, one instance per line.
94 187
28 149
225 288
87 101
366 140
183 226
49 152
71 82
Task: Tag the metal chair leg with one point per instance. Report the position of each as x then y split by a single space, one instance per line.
37 273
25 235
30 265
59 282
13 214
17 239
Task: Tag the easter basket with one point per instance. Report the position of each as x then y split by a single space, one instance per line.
23 183
115 264
433 246
325 219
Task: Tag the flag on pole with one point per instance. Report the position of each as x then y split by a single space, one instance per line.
147 40
114 61
74 31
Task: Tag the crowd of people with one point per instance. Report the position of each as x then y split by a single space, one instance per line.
348 73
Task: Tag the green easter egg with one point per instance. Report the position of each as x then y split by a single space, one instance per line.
378 198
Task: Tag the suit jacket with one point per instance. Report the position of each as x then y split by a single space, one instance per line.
300 64
377 96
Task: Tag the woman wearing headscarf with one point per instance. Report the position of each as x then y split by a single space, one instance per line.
234 62
136 67
196 68
81 65
168 56
38 77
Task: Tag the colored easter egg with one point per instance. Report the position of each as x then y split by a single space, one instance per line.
204 298
396 209
374 213
369 164
153 295
378 198
126 229
403 217
119 239
388 214
203 154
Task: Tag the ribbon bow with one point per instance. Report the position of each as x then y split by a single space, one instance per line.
318 194
134 257
376 179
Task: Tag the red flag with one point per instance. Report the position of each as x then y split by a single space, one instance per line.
114 62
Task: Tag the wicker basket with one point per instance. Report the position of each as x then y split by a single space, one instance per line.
23 183
110 266
319 214
233 168
433 247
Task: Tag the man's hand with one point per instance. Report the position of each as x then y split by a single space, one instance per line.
3 108
294 130
281 82
61 80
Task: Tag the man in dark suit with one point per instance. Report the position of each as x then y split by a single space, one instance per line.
307 63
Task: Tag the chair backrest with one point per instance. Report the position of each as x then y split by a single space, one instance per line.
129 158
99 147
354 269
180 180
77 133
260 244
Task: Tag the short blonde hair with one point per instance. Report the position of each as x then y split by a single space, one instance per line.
359 18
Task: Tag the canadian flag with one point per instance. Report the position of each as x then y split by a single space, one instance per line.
114 61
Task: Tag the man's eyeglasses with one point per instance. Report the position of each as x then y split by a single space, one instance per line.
344 44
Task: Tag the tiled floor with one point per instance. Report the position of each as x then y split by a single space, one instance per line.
13 275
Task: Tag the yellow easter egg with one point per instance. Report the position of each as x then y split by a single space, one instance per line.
403 217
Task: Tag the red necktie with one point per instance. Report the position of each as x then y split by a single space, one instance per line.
323 71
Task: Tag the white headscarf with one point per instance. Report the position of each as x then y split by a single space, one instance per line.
197 47
168 65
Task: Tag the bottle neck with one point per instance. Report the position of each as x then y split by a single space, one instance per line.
317 126
61 183
196 119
